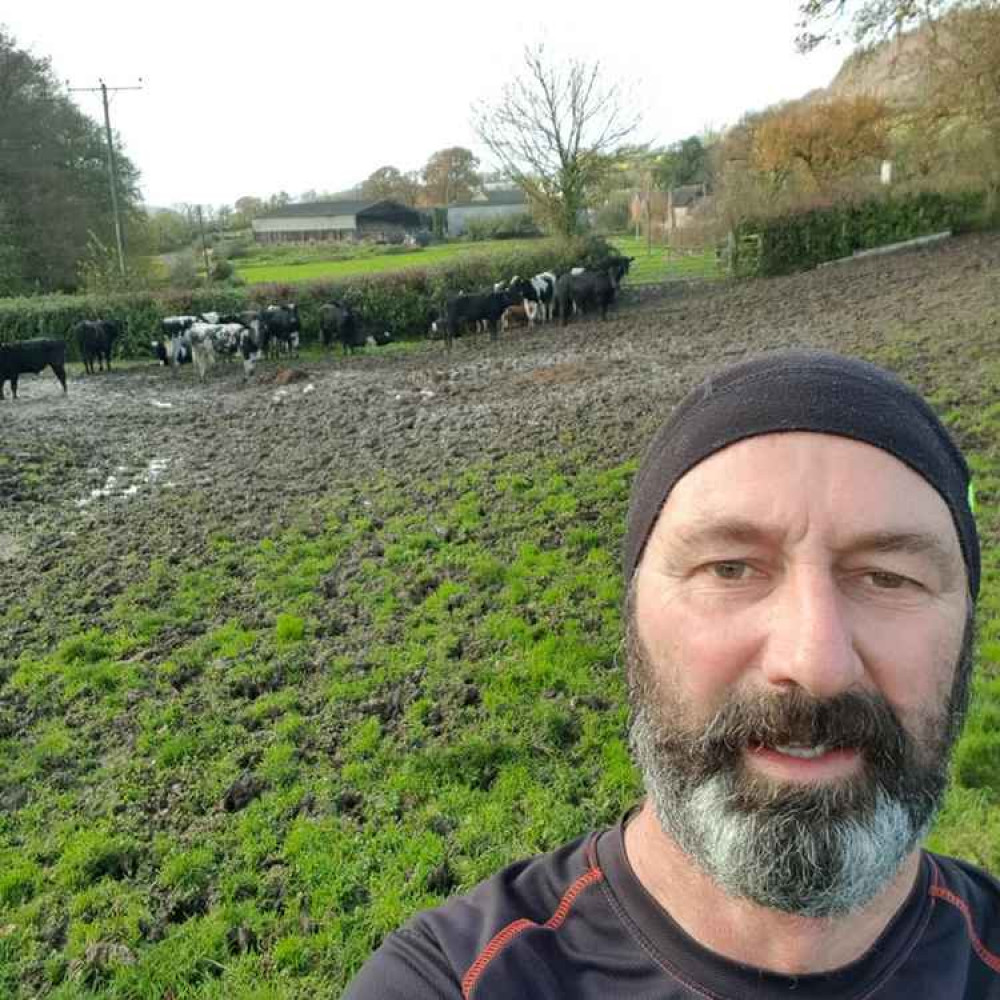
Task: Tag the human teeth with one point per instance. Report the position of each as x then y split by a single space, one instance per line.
806 753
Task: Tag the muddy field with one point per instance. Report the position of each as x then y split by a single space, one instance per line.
148 458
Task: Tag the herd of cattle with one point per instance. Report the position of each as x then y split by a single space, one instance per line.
276 329
542 297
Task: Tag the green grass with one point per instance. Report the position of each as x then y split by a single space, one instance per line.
657 263
338 267
650 266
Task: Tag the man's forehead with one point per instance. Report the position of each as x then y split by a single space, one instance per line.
766 483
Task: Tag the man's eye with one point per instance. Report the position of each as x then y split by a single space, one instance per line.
730 569
886 581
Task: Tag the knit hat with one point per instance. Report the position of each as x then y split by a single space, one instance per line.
803 390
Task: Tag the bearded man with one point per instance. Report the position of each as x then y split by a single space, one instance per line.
801 570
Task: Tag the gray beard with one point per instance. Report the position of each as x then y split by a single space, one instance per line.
815 852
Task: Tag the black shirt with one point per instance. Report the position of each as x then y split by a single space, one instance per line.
578 924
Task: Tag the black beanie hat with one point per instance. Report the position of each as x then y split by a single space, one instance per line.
802 390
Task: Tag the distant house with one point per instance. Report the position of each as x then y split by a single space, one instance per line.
336 220
486 205
667 211
682 201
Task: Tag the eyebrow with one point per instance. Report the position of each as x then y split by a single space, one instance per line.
740 531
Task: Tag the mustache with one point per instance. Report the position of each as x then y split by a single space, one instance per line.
849 721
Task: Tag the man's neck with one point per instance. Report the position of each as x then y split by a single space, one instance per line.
748 933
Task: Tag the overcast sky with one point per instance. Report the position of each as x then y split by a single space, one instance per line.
251 99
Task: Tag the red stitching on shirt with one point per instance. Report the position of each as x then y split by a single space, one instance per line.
511 931
993 961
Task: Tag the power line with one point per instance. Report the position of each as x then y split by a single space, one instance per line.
112 168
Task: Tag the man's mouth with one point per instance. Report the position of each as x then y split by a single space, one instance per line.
805 760
803 751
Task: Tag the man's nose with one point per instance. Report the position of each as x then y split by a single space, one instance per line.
810 640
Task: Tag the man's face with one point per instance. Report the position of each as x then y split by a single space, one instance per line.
799 649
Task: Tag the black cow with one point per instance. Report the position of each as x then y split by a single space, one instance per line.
96 338
280 327
583 291
31 356
340 323
617 267
481 307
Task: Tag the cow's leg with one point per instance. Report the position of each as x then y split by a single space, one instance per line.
60 371
13 385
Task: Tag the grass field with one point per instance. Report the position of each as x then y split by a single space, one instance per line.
649 267
311 270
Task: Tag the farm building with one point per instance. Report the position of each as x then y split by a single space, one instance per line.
486 205
336 220
667 211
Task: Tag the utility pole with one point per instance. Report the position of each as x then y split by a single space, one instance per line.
112 166
204 245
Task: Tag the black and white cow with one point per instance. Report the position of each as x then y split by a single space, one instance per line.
280 329
580 292
95 339
210 341
31 356
174 345
537 295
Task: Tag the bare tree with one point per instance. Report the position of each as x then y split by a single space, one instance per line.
554 131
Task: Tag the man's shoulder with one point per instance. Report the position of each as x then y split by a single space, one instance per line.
526 893
971 890
450 946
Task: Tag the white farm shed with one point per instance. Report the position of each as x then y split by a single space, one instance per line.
486 205
335 220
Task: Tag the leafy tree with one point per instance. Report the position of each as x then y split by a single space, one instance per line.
54 195
247 209
450 175
170 230
866 22
828 140
961 107
390 182
555 130
685 162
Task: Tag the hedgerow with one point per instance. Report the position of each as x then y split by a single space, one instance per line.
402 302
801 240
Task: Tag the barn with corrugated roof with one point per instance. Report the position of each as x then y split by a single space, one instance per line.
336 220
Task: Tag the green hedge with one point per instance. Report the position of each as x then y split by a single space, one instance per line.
400 301
797 242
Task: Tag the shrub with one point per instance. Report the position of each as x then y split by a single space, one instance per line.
222 270
801 240
503 227
183 270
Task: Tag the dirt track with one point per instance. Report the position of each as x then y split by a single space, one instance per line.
145 460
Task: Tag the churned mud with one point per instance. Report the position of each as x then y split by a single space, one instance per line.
145 460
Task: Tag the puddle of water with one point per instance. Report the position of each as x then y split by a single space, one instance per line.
111 488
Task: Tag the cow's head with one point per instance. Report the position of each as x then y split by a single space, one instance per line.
159 350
